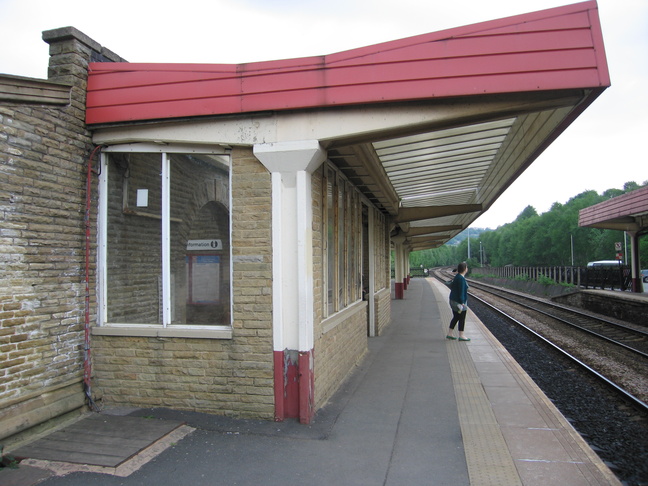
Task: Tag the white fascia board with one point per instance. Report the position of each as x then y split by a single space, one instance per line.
322 125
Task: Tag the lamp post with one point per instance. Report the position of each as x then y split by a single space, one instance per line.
571 237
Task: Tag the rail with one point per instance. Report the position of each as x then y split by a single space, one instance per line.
631 338
444 274
630 398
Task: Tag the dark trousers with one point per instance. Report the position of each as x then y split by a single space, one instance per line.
459 317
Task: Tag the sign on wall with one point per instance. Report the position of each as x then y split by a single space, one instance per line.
204 245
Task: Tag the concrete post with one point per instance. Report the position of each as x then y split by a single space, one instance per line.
291 165
637 284
399 276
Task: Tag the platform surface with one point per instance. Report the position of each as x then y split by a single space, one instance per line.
419 409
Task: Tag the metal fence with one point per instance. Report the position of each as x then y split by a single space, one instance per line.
603 278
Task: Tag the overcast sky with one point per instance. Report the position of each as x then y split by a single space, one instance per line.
601 150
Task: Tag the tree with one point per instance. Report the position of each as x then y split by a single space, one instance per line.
550 238
528 213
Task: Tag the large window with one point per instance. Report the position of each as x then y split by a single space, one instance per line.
165 238
342 242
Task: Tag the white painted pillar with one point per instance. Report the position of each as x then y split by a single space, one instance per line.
406 265
291 165
372 274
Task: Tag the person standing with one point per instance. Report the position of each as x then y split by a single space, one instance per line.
459 302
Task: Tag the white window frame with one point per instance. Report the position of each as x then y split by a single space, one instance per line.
351 298
165 329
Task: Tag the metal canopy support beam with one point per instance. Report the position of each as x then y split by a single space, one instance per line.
423 239
620 224
420 213
428 230
368 159
428 246
423 243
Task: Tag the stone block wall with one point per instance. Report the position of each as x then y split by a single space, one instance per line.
338 350
317 193
383 310
44 147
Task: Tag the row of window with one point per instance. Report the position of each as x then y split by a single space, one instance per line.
342 244
164 240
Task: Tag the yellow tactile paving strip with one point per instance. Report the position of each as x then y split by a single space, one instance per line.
487 455
513 434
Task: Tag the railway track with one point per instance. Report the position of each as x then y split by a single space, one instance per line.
615 353
629 337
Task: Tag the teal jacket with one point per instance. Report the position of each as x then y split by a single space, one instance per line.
459 289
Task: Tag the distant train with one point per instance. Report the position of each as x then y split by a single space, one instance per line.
608 274
605 264
609 265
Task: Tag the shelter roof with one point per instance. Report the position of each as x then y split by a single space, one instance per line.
628 212
431 128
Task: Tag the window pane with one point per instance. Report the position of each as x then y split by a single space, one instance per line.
200 244
134 239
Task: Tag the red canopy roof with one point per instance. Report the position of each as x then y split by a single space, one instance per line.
559 48
628 212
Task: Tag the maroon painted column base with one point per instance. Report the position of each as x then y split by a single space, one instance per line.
294 383
399 290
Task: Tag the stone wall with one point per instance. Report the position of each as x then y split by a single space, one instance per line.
529 286
382 302
383 310
317 194
44 147
624 306
338 349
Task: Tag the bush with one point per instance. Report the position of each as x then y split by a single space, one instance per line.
546 280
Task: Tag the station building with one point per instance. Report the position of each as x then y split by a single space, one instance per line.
217 238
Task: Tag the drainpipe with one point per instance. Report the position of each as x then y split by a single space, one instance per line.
87 364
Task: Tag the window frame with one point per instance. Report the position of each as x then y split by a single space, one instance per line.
165 328
342 289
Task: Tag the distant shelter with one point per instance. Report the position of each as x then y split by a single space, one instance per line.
629 213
